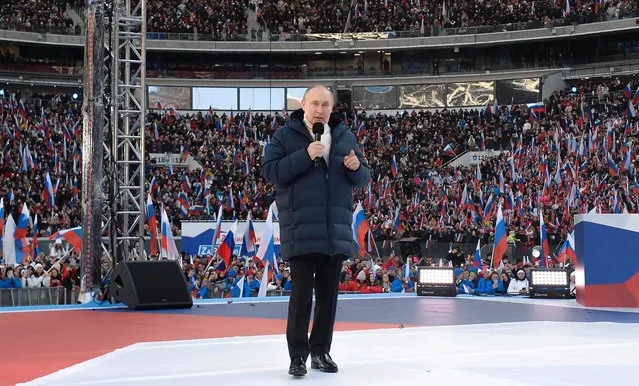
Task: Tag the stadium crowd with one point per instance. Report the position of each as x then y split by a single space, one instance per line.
572 154
408 15
312 16
226 19
220 19
37 16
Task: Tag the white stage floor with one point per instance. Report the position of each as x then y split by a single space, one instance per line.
508 354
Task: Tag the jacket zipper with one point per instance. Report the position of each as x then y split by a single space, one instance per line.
328 200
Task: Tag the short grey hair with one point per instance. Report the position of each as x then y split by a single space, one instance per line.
313 87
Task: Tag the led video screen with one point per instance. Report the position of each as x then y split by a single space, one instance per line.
422 96
469 94
261 98
375 97
526 90
177 97
218 98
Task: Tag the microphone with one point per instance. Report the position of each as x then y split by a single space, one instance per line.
318 130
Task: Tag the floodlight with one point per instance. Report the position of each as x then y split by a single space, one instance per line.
436 281
549 283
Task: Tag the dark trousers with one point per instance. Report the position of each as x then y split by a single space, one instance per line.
320 272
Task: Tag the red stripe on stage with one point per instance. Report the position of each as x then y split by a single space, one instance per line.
83 335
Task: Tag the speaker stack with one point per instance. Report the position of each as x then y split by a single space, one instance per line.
149 285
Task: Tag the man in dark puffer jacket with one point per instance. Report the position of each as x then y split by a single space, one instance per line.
315 205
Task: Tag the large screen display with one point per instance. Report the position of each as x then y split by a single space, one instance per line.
526 90
375 97
422 96
176 97
469 94
261 98
218 98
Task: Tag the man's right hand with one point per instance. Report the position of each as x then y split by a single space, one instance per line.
315 150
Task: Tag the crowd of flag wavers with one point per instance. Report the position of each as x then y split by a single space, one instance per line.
573 153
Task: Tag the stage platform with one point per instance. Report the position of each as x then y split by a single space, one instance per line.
379 340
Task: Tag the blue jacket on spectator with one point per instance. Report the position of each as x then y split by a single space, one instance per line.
469 284
312 222
396 285
11 283
255 285
287 285
201 293
486 287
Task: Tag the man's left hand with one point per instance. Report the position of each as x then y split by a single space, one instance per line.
351 161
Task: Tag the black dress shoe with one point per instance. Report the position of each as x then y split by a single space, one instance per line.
297 367
324 363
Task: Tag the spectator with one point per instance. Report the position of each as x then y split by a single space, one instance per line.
464 284
9 280
491 285
519 285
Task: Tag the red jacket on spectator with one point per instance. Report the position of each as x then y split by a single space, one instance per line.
350 286
374 289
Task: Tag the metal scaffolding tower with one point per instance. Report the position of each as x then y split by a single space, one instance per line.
128 116
113 137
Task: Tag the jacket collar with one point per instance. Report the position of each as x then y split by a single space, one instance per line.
338 127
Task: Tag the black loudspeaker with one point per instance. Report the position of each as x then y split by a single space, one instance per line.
147 285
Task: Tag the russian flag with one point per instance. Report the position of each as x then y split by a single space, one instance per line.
448 150
567 251
635 99
266 250
183 203
237 291
20 234
225 250
489 206
627 92
394 167
360 227
73 236
170 168
154 186
168 248
218 230
397 223
613 169
545 249
249 239
500 245
152 221
361 130
34 244
47 192
186 184
537 108
477 258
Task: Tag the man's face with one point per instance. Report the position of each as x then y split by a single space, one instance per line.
317 105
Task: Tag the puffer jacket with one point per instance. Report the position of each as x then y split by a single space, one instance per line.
315 202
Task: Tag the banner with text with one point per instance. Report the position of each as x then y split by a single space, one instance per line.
473 158
198 235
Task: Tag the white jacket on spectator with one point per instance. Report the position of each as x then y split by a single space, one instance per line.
516 285
42 281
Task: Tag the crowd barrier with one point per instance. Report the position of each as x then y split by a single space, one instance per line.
34 296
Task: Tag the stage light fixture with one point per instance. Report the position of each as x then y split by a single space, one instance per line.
549 283
436 281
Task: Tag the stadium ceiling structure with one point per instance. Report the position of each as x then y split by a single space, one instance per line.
114 113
